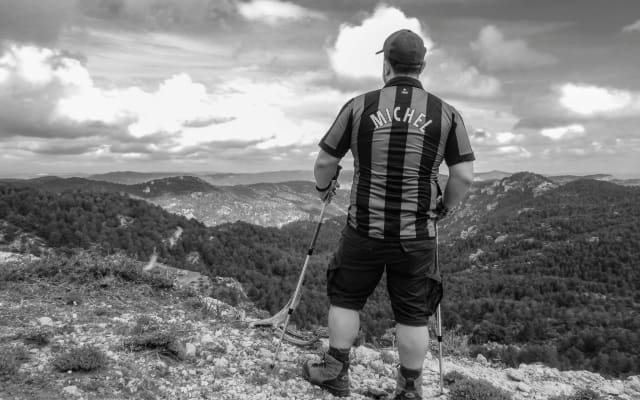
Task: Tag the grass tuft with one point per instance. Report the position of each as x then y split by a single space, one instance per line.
464 388
85 358
11 358
38 337
84 268
148 334
580 394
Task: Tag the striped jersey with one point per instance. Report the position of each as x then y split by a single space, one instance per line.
398 135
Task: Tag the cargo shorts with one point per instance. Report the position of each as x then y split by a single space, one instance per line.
413 279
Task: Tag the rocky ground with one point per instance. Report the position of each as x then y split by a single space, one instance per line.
219 356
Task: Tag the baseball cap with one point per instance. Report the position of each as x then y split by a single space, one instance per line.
404 47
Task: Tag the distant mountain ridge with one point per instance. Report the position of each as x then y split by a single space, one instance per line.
154 188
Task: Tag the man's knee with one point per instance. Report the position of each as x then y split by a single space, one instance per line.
412 338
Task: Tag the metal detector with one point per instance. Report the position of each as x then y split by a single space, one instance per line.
439 319
293 303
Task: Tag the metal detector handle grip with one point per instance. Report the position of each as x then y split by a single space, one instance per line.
329 192
334 180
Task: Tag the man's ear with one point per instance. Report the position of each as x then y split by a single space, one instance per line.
386 68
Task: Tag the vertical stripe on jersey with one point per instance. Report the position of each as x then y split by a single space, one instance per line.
413 173
358 107
364 136
395 163
430 150
379 163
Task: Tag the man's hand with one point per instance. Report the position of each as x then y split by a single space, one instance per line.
326 194
441 210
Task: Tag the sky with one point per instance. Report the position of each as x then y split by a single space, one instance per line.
90 86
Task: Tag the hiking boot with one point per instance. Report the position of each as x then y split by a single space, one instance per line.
408 388
329 374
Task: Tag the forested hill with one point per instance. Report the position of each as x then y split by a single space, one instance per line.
266 204
163 186
550 272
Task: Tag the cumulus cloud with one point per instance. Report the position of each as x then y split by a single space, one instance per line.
46 87
564 132
273 12
590 100
502 146
485 138
352 56
634 27
52 99
495 52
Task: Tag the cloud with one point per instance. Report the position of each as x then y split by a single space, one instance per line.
50 104
564 132
353 57
164 14
46 93
353 54
514 151
34 21
272 12
485 138
496 53
498 145
634 27
590 100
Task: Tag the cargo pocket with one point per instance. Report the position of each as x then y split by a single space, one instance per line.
334 264
421 254
433 296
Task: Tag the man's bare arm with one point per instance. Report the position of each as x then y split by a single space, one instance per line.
325 168
460 179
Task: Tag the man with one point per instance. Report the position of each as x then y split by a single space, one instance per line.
398 135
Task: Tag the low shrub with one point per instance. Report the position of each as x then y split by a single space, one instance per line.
452 377
37 337
148 334
11 358
144 323
580 394
73 299
85 268
464 388
85 358
226 294
454 343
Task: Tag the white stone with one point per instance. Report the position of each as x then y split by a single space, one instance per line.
365 354
207 338
221 363
633 383
265 354
190 350
556 388
45 321
481 359
523 387
72 390
609 388
501 238
515 375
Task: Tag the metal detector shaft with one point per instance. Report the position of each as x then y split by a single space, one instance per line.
296 293
439 320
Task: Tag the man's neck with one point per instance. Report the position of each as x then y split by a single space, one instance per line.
394 76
